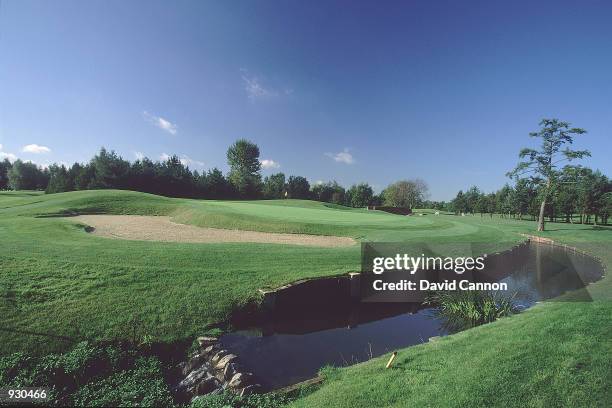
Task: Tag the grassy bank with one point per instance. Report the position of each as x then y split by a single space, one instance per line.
60 285
555 354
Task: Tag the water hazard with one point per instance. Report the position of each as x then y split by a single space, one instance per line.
292 343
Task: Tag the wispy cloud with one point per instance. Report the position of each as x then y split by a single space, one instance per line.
139 155
269 164
36 149
5 155
254 87
342 157
161 123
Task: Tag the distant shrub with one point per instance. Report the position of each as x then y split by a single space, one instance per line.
465 309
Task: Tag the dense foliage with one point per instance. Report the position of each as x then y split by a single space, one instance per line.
24 176
92 375
582 196
173 178
244 176
405 193
5 166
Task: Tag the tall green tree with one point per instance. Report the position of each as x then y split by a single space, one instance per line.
606 204
59 180
274 186
459 203
109 170
491 204
243 158
217 186
27 176
523 194
405 193
471 199
5 166
595 195
566 200
298 187
542 164
360 195
176 178
503 200
482 204
330 192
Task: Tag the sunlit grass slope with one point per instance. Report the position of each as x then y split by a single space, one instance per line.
59 282
556 354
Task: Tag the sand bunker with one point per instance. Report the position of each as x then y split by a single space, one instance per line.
146 228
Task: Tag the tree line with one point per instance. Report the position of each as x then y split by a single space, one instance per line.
173 178
546 185
584 198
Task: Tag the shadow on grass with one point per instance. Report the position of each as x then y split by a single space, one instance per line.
41 334
73 212
22 193
584 228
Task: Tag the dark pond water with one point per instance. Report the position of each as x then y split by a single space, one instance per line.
290 346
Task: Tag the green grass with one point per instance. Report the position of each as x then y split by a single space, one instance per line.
57 281
59 285
555 354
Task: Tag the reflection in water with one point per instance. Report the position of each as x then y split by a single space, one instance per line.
282 359
293 344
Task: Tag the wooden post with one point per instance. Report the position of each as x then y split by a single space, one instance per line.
391 359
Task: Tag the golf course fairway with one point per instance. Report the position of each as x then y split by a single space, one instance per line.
60 284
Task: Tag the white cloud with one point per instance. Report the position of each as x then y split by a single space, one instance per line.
342 157
161 123
254 88
164 157
139 155
36 149
319 182
10 156
4 155
269 164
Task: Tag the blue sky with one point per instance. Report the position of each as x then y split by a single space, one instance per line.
352 91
